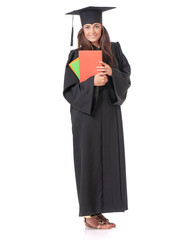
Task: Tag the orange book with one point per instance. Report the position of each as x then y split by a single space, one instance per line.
88 62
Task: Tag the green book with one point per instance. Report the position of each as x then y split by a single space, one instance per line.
74 65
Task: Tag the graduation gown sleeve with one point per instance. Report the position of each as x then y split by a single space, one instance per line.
120 81
79 95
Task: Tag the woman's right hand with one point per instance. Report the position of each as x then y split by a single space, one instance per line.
100 79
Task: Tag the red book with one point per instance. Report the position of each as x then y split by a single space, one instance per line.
88 62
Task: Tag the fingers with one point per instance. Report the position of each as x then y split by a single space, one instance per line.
103 63
100 67
101 73
103 78
103 81
100 79
106 69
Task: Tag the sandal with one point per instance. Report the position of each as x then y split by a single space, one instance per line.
113 225
96 222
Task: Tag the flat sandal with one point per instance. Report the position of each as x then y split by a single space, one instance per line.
103 218
96 222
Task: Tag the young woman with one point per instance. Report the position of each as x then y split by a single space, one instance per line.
98 143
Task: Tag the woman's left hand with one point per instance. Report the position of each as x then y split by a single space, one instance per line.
105 68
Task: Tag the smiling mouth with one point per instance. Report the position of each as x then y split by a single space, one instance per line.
92 36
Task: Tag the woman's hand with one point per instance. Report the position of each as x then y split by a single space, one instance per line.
100 79
106 69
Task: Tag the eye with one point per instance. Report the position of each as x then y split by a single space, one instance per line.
96 26
87 27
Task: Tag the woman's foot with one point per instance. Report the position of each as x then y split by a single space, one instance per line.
113 225
96 222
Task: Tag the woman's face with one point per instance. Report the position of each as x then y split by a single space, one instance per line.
92 32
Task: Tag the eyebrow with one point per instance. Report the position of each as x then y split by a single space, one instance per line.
92 24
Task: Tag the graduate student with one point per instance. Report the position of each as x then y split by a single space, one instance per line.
98 143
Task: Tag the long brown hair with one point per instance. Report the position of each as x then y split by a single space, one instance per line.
104 42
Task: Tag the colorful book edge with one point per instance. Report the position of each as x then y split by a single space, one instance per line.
74 65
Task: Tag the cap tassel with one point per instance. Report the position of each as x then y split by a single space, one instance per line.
72 32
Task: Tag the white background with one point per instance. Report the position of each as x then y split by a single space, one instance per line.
38 198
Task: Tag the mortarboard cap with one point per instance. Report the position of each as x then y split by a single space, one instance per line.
88 15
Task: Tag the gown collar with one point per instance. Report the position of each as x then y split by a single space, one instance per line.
96 48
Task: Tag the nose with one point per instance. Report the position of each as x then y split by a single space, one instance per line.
92 29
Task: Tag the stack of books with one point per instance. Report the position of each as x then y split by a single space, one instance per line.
86 64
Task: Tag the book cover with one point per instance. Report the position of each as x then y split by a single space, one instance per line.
88 62
74 65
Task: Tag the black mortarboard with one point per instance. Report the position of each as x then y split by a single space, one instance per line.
88 15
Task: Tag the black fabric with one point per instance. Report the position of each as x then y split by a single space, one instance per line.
91 17
98 142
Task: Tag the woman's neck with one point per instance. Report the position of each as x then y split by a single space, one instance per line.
96 44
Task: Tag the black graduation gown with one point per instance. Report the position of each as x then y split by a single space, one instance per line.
98 143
